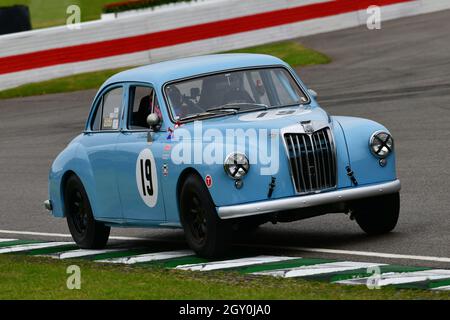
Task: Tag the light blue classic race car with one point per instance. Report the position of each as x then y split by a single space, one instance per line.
217 145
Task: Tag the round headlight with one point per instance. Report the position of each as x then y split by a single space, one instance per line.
381 144
236 165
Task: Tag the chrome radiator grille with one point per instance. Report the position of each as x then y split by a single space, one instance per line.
313 160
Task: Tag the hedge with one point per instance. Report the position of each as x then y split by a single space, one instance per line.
136 4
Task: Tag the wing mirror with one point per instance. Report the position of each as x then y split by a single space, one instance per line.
313 93
154 121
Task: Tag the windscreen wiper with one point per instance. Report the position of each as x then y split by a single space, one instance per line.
228 108
208 113
225 107
237 106
297 104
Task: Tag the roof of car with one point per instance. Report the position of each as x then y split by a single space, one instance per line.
162 72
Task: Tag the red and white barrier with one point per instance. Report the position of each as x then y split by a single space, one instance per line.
205 28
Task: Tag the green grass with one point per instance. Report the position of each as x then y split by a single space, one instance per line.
82 81
293 53
49 13
23 277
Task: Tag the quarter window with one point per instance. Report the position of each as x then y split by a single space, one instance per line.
108 110
98 116
111 109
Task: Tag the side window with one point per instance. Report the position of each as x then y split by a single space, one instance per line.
112 107
143 101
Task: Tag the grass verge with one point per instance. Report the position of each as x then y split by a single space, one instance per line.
292 52
23 277
82 81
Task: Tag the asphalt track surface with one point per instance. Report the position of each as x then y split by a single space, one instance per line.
399 76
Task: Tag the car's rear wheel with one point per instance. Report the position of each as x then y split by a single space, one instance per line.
86 232
205 232
378 215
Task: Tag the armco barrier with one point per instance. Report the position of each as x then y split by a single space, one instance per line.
208 27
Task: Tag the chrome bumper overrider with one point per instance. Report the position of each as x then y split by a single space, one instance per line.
48 205
255 208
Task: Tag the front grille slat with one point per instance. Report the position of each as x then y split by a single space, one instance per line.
323 149
308 167
294 151
332 154
328 155
318 148
300 161
312 159
316 171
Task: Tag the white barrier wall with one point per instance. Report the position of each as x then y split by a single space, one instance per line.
44 63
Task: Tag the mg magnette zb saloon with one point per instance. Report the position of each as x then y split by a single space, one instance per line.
216 145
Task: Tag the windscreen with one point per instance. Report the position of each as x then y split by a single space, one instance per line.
241 90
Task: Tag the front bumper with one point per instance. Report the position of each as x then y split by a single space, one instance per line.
344 195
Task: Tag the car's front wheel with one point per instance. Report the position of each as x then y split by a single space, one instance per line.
86 232
205 232
378 215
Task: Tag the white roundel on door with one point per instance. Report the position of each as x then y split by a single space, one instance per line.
146 177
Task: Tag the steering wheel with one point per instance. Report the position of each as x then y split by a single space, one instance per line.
192 105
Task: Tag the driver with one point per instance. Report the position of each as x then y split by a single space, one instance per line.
177 101
235 91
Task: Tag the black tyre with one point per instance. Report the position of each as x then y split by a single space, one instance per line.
205 232
86 232
378 215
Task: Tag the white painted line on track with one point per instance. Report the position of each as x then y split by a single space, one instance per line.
150 257
7 240
226 264
390 278
316 269
354 253
305 249
33 246
80 253
444 288
62 235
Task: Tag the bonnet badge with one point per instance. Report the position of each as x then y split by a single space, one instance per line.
307 126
